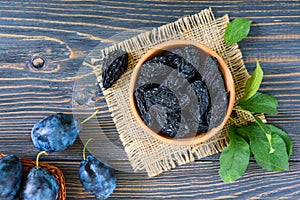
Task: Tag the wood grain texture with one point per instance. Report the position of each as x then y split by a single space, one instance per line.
66 31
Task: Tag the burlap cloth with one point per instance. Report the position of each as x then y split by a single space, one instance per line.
144 151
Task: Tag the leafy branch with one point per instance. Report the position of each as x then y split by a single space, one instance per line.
270 145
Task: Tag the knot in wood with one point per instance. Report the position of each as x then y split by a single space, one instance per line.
38 62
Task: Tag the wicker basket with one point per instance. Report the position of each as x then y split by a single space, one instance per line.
27 164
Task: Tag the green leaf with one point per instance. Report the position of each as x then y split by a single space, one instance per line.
266 131
234 158
278 160
253 83
243 132
237 30
260 103
286 138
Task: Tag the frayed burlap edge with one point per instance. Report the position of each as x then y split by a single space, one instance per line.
144 151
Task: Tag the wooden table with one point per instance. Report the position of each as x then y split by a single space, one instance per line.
66 31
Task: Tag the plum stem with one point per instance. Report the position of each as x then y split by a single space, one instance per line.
84 148
38 157
90 117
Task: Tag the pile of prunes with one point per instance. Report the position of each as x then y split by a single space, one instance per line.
181 92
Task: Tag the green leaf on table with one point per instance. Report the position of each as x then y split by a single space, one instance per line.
253 83
260 103
237 30
234 158
286 138
260 146
266 131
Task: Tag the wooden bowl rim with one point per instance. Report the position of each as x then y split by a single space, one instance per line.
229 84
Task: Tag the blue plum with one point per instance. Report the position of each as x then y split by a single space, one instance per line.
97 177
10 176
40 184
55 132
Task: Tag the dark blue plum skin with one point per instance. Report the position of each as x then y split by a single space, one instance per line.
96 177
40 185
10 176
55 132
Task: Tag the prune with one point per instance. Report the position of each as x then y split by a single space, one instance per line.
203 96
10 176
188 126
165 120
153 72
165 97
114 65
160 60
97 177
178 85
143 105
173 57
55 132
171 127
158 118
219 97
40 184
209 69
195 56
159 94
188 71
167 58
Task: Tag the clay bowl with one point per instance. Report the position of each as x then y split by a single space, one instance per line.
229 84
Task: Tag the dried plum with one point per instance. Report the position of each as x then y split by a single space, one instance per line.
165 97
203 95
188 125
114 65
165 121
215 83
142 102
167 58
195 56
170 128
160 60
181 92
179 86
153 72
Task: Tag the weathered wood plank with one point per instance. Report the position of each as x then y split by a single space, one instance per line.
200 180
66 31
